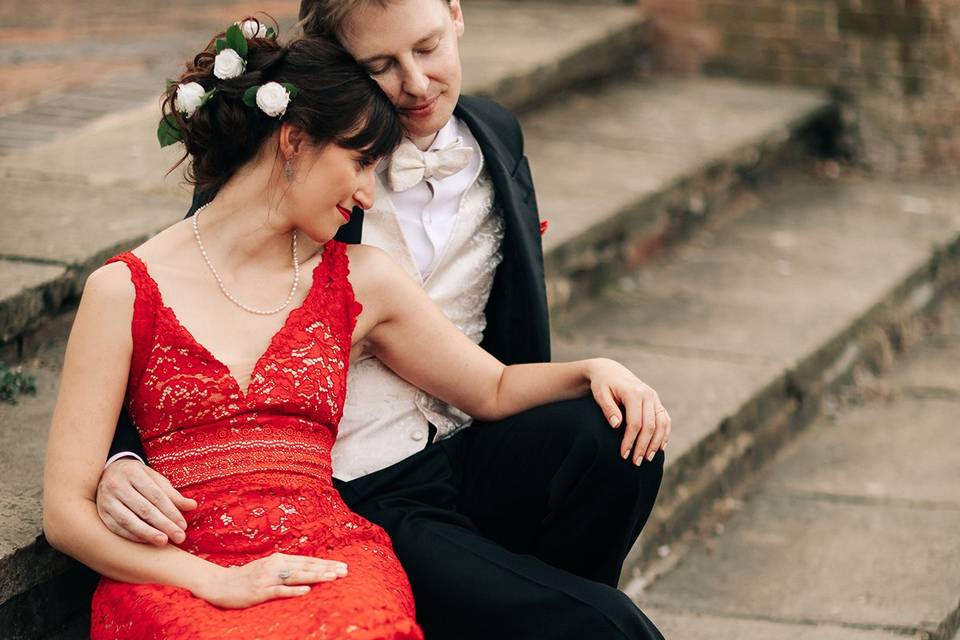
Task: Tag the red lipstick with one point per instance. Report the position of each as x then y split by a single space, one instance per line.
344 212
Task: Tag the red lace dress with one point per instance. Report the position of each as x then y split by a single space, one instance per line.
258 464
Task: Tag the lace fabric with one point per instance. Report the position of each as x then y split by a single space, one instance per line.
258 463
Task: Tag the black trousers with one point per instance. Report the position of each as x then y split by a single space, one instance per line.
518 529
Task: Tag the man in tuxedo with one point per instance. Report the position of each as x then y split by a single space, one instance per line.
515 529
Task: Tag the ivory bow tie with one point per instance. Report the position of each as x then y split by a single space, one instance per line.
409 165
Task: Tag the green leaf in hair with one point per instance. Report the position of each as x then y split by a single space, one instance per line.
250 96
236 41
168 131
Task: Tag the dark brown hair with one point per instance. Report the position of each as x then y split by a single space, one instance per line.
337 102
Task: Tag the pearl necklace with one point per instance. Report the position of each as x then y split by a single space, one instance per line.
216 276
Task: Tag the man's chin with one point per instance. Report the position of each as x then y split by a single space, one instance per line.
423 127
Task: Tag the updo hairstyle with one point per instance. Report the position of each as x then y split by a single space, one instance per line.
338 102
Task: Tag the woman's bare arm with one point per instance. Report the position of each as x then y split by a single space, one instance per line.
92 387
409 333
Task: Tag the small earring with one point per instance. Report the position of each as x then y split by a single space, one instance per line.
288 169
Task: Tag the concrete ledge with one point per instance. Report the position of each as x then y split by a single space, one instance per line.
28 292
745 440
650 165
748 326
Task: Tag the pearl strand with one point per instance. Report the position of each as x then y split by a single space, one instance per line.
216 276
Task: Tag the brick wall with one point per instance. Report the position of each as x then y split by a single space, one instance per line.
897 60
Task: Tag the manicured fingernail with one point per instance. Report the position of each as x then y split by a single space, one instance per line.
341 571
160 538
179 536
638 460
614 421
626 454
304 591
650 455
330 575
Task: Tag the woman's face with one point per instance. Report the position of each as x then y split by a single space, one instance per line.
327 182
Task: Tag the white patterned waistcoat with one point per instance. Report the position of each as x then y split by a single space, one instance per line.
385 419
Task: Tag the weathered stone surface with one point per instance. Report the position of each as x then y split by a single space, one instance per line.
598 153
772 286
24 289
692 626
74 223
23 436
518 53
699 390
933 369
850 527
899 450
802 559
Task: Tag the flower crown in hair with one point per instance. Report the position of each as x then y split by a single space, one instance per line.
272 98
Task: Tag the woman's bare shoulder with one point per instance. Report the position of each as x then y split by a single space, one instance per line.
371 264
109 283
168 244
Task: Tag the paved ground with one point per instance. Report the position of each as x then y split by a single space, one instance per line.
851 531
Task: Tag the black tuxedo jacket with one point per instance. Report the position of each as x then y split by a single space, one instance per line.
518 328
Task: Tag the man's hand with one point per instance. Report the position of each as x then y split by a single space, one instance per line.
647 421
139 504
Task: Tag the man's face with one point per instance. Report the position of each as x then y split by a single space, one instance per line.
412 49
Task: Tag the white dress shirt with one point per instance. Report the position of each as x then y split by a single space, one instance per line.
426 212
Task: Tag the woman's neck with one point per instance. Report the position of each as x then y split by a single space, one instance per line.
246 225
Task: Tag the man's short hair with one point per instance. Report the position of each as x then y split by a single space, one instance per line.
326 17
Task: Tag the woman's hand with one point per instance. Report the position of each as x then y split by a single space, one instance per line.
648 423
275 576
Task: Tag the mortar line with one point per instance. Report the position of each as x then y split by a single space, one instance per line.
11 257
921 392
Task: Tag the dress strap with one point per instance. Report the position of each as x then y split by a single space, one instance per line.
145 305
338 271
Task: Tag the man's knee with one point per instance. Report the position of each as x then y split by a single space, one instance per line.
597 445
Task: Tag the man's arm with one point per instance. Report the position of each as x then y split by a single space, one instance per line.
126 440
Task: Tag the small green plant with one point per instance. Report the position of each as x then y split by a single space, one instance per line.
14 382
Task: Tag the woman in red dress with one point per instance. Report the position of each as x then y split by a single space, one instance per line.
236 397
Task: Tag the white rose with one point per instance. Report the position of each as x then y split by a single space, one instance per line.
253 29
273 98
228 64
189 97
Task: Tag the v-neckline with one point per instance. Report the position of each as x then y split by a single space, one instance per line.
243 392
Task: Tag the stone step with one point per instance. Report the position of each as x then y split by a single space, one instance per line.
851 530
625 169
742 328
516 53
613 191
78 194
